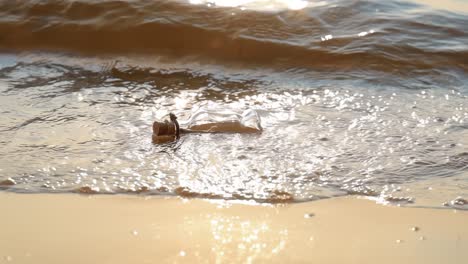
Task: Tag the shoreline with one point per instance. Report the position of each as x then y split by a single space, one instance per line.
72 228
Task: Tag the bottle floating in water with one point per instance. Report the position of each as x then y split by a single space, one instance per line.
207 121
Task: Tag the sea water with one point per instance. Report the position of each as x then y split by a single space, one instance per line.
354 97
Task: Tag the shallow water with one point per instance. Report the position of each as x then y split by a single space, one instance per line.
355 97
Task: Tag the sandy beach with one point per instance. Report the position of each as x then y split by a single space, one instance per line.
71 228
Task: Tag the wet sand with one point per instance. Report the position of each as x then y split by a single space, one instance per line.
69 228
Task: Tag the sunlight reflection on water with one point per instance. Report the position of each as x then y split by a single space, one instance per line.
317 141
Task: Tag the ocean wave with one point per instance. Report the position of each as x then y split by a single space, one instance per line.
340 35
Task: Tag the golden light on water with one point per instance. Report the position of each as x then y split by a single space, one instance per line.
461 6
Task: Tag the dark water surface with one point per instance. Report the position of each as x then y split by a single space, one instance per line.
355 97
